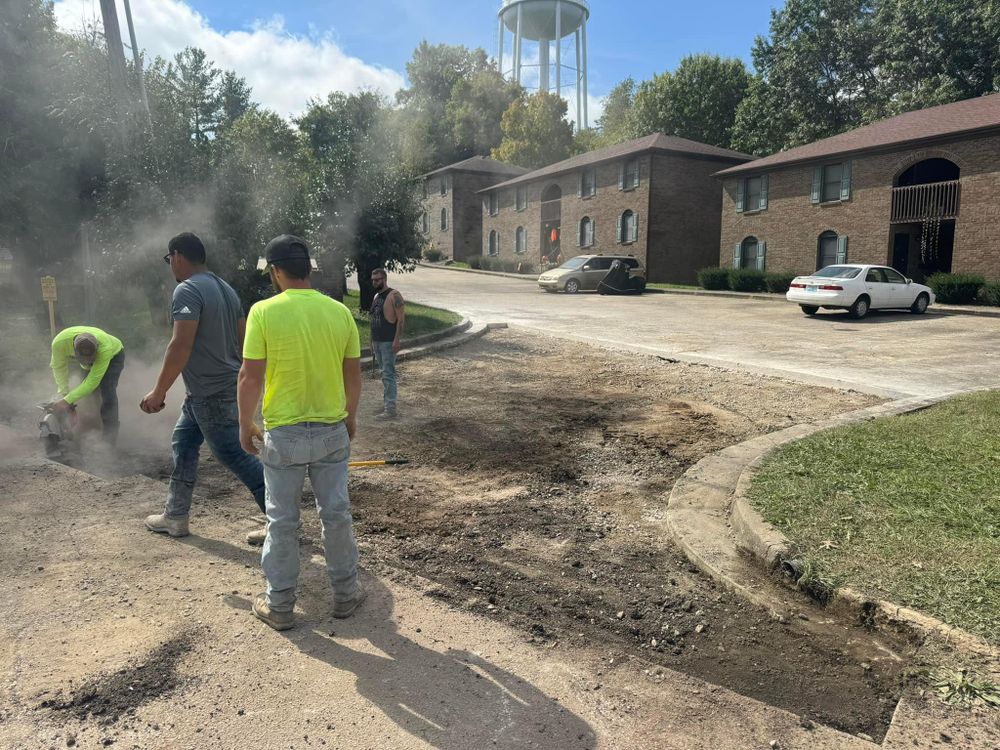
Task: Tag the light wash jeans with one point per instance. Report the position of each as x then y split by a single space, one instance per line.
215 420
289 453
385 357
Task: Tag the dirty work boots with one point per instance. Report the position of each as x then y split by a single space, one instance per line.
277 620
164 524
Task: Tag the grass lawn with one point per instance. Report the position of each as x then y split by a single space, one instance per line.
419 319
903 508
458 264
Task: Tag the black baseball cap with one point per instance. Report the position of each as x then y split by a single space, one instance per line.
283 247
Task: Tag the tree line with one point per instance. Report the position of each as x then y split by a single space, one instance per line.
211 159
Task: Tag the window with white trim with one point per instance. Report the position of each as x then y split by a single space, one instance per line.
520 241
586 232
494 246
628 227
494 203
629 175
520 198
444 219
588 182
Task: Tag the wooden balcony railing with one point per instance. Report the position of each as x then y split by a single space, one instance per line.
936 200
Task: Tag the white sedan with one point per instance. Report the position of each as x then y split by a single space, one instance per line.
858 289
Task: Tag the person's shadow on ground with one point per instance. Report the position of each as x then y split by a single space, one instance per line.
453 700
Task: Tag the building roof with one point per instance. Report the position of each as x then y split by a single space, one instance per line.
654 142
964 117
482 165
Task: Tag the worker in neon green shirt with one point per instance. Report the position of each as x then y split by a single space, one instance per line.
102 356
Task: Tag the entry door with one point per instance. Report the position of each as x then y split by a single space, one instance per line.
901 252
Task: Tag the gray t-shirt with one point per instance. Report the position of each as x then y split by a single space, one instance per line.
215 358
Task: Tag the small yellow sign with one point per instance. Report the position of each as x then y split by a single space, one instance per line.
48 289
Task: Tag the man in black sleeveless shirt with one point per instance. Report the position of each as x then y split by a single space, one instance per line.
388 318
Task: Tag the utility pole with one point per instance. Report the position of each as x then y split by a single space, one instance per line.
116 59
138 65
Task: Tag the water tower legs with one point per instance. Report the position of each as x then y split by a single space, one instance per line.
585 89
558 48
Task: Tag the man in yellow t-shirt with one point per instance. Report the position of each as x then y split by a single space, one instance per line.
103 357
302 348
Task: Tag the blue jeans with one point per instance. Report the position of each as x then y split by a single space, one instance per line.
215 420
385 357
289 453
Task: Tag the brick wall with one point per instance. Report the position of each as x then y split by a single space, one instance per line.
603 209
464 235
791 224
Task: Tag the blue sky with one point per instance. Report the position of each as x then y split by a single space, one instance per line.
290 53
636 37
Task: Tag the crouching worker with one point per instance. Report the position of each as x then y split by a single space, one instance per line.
103 357
302 349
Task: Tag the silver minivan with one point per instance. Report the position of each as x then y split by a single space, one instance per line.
585 272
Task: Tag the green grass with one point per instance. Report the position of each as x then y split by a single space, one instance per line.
419 319
903 508
458 264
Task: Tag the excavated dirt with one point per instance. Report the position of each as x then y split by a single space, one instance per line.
535 464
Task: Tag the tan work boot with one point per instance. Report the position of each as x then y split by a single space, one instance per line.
164 524
277 620
346 608
256 537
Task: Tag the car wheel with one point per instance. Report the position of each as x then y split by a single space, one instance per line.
572 286
809 309
919 306
860 307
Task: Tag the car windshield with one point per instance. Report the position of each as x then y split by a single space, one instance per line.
574 263
838 272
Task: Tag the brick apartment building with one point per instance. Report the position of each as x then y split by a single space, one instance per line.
917 191
654 198
452 221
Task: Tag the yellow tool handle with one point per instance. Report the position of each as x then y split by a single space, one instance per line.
367 464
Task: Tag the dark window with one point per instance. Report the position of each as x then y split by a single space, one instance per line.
748 253
494 203
444 219
827 254
630 262
630 174
833 176
753 191
423 188
600 264
521 241
444 186
628 228
875 276
588 182
586 232
893 276
521 199
494 246
423 222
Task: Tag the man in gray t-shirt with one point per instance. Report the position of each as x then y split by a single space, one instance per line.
208 327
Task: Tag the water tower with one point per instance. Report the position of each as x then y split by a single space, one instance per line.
546 24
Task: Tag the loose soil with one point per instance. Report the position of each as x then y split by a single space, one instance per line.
535 464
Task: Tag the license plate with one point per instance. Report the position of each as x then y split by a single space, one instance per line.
811 288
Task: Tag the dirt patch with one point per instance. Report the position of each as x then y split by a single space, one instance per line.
536 465
108 697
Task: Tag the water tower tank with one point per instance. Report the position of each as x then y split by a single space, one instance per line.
547 24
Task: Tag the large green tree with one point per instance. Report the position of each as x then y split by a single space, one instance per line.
368 209
697 100
617 123
535 132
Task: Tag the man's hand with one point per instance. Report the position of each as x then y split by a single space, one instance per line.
61 406
352 426
153 402
396 346
248 434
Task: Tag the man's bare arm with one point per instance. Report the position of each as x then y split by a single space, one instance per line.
174 361
248 390
399 307
352 388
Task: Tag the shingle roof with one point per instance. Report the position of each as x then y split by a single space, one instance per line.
654 142
481 164
982 113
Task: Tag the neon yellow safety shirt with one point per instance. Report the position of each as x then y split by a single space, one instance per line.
305 337
62 354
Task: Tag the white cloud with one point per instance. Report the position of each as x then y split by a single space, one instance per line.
285 70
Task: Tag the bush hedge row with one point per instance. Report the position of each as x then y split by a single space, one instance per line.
507 265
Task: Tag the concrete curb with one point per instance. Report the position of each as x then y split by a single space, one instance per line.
936 309
428 338
469 332
697 508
